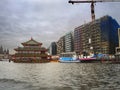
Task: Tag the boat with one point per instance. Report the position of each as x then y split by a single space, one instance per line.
69 57
90 58
4 59
31 52
95 58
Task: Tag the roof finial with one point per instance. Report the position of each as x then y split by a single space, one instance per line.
31 38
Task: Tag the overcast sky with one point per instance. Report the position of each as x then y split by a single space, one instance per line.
45 20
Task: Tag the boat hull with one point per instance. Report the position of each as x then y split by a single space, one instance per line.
88 59
74 61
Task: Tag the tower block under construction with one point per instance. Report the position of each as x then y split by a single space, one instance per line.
99 36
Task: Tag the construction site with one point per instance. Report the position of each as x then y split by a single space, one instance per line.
99 36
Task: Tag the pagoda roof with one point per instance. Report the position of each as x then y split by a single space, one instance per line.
31 42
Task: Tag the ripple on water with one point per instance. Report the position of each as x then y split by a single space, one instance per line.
59 76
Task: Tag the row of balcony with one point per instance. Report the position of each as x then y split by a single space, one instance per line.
29 49
30 55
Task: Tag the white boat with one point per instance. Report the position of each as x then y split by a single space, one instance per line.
4 59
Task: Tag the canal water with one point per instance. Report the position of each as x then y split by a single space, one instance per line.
59 76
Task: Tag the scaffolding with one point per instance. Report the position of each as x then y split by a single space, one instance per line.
99 36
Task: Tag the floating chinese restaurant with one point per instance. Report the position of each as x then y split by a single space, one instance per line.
32 51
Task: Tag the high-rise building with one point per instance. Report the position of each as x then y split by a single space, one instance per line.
69 42
53 48
77 39
61 45
118 48
99 36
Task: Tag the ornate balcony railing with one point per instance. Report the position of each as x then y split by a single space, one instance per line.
30 55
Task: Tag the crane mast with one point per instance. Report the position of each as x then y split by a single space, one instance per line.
92 11
92 4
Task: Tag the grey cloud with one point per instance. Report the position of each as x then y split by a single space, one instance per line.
45 20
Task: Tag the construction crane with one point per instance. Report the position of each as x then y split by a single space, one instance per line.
92 4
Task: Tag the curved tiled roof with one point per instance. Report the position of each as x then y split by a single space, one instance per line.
32 42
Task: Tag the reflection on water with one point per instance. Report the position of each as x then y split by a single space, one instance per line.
59 76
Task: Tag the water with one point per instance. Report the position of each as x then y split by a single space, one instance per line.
59 76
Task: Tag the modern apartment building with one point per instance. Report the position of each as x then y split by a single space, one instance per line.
61 45
53 48
100 36
69 46
77 39
118 48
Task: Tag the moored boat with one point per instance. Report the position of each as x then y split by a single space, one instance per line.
69 57
90 59
31 52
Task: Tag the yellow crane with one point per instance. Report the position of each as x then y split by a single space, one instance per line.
92 4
